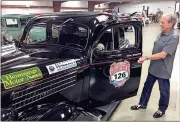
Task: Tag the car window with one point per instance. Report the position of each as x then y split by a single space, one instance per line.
130 35
36 35
13 23
71 35
118 38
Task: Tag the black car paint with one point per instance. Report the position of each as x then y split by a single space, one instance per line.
91 88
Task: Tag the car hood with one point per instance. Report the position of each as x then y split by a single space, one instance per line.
19 60
19 65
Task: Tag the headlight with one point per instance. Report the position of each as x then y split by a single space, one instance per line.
8 37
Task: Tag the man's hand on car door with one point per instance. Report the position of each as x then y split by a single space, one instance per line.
141 60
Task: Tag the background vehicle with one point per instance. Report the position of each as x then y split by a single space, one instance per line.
123 17
14 23
6 38
142 17
71 69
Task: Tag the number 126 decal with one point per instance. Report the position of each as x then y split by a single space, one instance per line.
119 73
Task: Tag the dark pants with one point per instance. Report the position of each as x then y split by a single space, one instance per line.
164 87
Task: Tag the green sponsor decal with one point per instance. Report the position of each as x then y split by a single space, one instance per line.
21 77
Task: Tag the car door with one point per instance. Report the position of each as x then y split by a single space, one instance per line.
114 71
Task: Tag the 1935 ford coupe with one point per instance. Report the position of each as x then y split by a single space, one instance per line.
80 66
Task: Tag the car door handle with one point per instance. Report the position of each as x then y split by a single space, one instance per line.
135 65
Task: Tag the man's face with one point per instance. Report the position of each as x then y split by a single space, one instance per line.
165 26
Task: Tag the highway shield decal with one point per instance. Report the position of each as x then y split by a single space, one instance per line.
119 73
21 77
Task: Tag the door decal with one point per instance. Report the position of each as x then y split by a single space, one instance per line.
119 73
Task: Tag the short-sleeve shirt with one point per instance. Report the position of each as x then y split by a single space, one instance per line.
168 43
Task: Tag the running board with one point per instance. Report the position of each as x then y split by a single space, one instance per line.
108 109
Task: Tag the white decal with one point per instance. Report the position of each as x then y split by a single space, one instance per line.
8 49
61 66
119 73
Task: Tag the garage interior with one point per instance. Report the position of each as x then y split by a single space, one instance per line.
150 32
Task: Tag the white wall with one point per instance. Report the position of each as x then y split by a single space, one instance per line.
36 3
80 6
101 7
66 6
27 10
75 4
165 6
74 10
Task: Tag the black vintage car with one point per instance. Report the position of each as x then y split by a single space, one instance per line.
80 68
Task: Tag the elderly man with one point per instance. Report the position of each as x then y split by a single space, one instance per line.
161 65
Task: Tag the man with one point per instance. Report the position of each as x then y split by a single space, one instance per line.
158 15
161 65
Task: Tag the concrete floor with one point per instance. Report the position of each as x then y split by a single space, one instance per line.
123 112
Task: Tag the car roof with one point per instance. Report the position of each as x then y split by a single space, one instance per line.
83 17
75 13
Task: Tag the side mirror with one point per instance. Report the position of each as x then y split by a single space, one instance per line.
17 43
98 50
100 47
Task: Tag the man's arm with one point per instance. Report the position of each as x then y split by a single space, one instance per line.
170 48
158 56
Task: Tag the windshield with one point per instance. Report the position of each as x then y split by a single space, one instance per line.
70 35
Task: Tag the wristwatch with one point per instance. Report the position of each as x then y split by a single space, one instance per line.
147 58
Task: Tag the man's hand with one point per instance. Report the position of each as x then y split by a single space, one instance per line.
141 60
156 56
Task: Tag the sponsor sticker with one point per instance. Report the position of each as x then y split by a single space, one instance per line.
61 66
119 73
18 78
7 49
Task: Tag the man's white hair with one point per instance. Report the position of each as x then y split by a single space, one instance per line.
171 18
